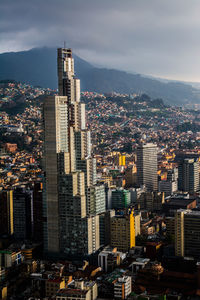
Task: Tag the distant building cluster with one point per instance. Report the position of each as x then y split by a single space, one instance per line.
99 195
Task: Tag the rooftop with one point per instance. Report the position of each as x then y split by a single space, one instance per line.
189 212
67 292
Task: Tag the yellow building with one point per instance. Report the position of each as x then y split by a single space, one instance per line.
123 232
187 233
122 160
3 293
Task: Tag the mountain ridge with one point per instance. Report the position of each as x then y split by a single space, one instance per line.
37 67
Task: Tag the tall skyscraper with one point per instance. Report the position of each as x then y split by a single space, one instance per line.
37 212
188 175
147 166
70 168
22 213
187 233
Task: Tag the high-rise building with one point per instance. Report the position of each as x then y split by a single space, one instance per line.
123 232
170 225
96 201
38 212
172 174
130 176
137 217
6 212
121 198
187 233
167 187
109 258
70 169
151 201
188 175
147 166
23 212
104 226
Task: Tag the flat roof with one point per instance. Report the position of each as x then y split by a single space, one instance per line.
180 201
63 292
189 212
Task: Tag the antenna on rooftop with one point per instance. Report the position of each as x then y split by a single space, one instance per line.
64 44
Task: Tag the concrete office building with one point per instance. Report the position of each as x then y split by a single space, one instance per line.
188 175
104 226
78 290
130 176
187 233
167 187
170 227
37 212
109 258
137 218
96 200
123 232
147 166
170 185
6 212
136 193
70 169
121 198
123 287
172 174
151 201
22 213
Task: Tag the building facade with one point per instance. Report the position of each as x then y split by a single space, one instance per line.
22 213
104 226
188 175
147 166
123 232
6 213
187 233
70 169
167 187
121 198
123 287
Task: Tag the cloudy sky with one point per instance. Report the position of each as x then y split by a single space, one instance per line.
155 37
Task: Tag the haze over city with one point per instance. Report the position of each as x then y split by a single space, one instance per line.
158 38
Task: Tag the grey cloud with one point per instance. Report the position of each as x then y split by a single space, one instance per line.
146 36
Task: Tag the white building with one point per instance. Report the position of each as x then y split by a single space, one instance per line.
147 166
70 168
123 287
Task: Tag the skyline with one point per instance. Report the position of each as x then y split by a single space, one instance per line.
94 200
147 37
